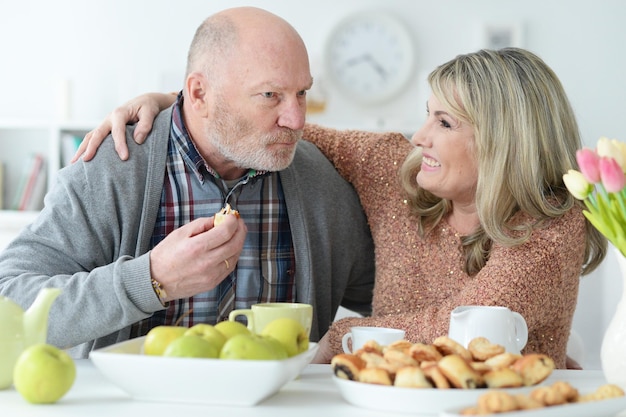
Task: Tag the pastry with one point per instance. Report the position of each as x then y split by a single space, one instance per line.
411 377
422 352
372 360
503 360
399 357
482 349
347 366
602 393
534 368
496 402
524 402
434 374
375 376
548 396
459 372
220 216
371 346
402 345
503 378
447 346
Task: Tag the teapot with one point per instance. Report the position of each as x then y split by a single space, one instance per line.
498 324
20 329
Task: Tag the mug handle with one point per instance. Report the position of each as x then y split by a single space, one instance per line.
244 312
344 342
521 330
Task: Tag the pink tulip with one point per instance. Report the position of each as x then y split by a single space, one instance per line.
612 175
589 163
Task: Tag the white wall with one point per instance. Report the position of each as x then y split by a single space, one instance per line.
111 50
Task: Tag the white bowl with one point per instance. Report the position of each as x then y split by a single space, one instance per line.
417 401
195 380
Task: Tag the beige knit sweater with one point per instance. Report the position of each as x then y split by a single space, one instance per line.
420 281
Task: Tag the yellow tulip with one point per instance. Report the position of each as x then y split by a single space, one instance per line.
577 184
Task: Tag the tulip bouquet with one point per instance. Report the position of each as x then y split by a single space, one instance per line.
600 184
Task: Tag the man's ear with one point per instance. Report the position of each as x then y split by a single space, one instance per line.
198 93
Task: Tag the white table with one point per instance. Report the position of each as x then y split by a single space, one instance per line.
312 394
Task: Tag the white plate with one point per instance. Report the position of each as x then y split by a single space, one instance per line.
604 408
420 401
193 380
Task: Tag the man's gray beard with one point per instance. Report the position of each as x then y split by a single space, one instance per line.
260 160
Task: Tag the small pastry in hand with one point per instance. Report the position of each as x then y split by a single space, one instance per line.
220 216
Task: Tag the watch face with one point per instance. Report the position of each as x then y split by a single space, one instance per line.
370 57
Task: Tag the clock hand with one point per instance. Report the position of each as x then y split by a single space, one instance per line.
356 60
377 67
380 70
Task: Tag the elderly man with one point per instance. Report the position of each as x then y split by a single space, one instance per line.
133 244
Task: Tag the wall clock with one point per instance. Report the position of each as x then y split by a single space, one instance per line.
369 57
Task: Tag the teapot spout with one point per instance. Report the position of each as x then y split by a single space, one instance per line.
36 317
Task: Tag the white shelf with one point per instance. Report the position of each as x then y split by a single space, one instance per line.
12 222
20 139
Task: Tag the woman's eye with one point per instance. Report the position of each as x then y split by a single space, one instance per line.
445 124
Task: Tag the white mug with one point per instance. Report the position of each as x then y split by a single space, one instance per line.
361 334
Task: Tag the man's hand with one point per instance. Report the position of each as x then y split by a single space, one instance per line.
197 256
141 110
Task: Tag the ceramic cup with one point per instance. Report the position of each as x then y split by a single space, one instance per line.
357 336
259 315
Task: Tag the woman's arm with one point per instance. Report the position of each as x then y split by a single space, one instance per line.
141 110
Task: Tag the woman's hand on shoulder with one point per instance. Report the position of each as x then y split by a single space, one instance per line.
141 110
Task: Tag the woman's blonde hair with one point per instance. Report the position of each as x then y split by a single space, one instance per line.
526 138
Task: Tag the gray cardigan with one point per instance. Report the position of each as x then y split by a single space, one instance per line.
93 237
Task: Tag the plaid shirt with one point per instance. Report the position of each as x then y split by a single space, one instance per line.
191 189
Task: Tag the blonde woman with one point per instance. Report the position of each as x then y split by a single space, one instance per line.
472 212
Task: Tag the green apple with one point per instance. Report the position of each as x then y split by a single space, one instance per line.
290 333
279 350
230 328
248 346
209 333
191 346
43 374
159 337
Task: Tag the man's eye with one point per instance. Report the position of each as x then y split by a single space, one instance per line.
269 94
302 93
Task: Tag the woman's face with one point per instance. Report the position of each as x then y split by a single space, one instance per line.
449 167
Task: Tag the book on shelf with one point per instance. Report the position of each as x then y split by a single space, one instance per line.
32 185
69 146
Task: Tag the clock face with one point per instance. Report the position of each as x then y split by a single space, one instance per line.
370 57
